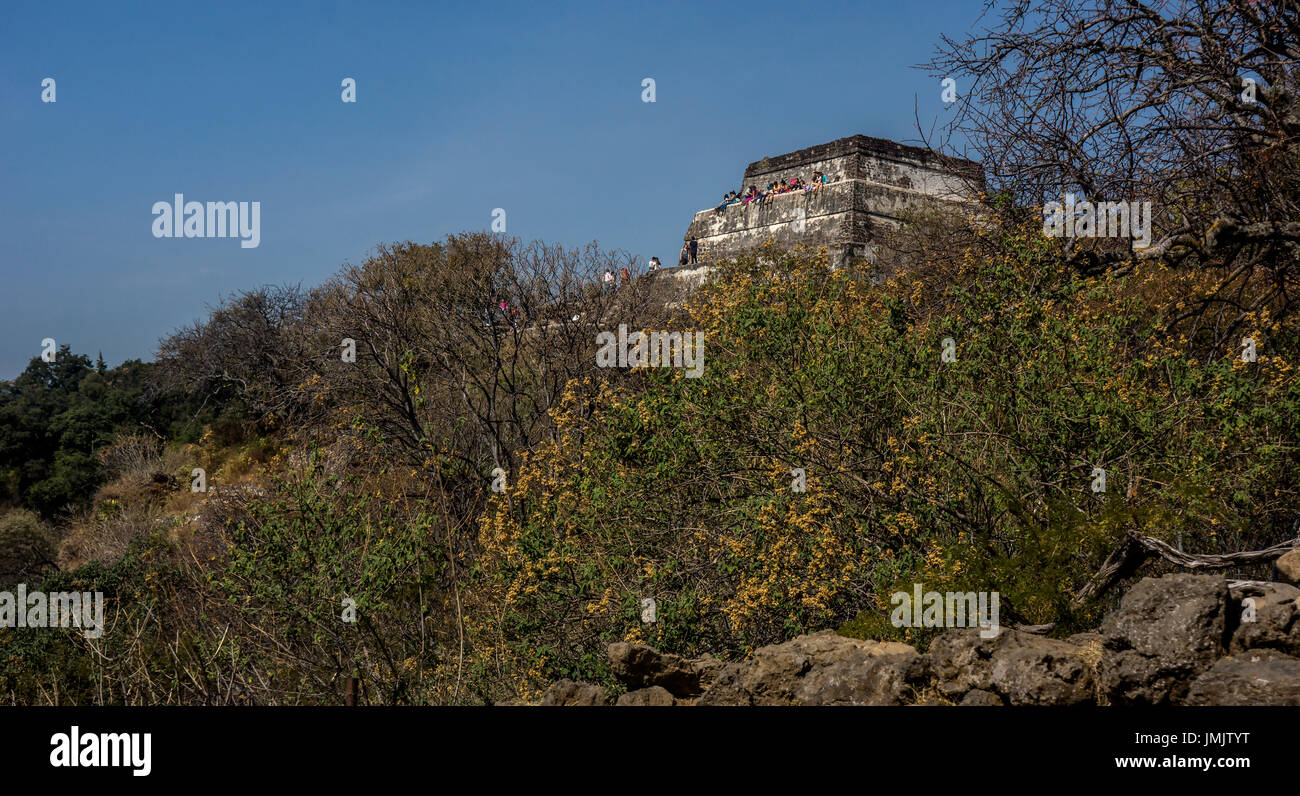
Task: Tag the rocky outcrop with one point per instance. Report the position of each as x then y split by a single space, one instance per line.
640 667
982 699
823 669
1258 677
1015 668
1165 632
1175 640
654 696
567 693
1288 568
1265 616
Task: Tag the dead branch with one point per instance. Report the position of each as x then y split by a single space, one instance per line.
1136 549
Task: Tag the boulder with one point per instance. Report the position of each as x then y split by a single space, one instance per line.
708 668
567 693
1288 567
1270 620
1165 632
1256 677
654 696
726 690
977 697
829 669
639 666
1020 668
822 669
870 679
1164 644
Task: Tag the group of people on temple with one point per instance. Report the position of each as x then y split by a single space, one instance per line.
764 195
691 248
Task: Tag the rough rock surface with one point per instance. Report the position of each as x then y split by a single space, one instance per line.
1022 668
567 693
979 698
822 669
654 696
1257 677
1165 632
1265 616
1178 639
1288 568
639 666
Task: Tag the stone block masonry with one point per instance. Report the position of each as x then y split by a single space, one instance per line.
873 182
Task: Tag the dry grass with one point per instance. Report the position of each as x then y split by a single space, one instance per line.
148 493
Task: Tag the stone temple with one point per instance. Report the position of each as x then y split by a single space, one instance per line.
873 181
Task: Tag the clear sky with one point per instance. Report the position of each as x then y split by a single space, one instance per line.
533 107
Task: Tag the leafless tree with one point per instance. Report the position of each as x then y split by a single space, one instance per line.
248 349
1188 104
463 346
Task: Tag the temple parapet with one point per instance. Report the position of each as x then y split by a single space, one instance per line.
873 182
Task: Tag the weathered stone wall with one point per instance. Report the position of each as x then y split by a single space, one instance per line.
788 219
838 169
874 182
1181 639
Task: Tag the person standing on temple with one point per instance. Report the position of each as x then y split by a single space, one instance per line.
695 249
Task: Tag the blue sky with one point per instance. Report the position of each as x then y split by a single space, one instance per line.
461 108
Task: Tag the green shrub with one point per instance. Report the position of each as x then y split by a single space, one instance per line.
975 474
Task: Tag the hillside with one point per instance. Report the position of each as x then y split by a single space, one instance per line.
472 507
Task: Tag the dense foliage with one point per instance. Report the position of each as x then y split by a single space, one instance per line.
491 508
56 416
974 474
